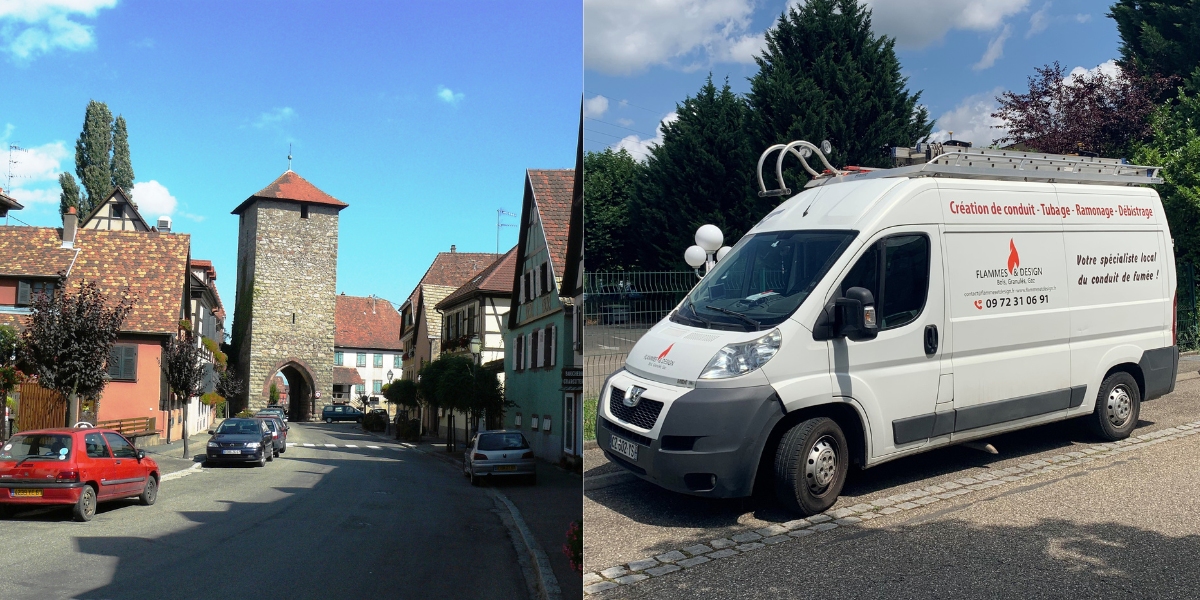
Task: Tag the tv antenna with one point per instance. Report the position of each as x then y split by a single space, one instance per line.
499 213
12 161
289 157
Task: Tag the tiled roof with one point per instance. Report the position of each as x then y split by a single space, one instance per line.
347 376
8 202
552 189
292 187
496 278
366 323
33 251
151 265
455 268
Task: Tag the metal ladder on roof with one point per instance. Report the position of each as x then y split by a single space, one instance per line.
964 163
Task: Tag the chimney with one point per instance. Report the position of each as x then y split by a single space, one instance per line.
452 248
70 224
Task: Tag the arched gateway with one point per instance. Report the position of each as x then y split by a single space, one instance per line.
286 281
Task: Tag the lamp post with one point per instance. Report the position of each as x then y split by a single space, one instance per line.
708 249
476 349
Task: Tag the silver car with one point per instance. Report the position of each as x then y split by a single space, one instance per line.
499 453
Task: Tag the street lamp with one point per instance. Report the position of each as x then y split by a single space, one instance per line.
708 249
476 348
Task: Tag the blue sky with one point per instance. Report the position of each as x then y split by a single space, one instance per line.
423 116
641 57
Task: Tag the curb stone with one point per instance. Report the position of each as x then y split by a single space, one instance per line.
748 540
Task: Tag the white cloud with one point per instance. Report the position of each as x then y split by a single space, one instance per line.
595 107
275 117
625 37
1039 21
34 171
1109 68
1083 18
972 120
153 199
919 23
449 96
640 148
31 197
995 50
623 122
192 217
32 27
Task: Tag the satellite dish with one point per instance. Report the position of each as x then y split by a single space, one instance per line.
826 147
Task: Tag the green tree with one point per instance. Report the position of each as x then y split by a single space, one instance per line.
10 341
1159 37
184 374
702 172
274 399
456 383
609 184
121 167
402 392
70 194
93 155
825 76
1175 146
67 342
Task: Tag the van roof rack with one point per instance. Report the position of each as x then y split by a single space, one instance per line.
938 160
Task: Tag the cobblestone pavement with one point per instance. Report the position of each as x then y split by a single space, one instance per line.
638 532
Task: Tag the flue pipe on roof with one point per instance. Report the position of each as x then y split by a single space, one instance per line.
70 225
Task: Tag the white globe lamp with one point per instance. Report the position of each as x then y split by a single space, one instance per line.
709 238
694 256
722 252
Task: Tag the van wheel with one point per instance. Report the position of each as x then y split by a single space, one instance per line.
810 466
1117 407
328 419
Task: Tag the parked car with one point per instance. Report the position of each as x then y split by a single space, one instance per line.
74 467
240 440
341 412
276 410
279 431
499 454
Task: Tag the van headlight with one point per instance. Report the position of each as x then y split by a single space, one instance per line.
739 359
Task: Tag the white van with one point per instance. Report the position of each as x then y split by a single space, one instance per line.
880 314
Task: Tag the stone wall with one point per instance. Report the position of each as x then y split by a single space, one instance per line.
291 276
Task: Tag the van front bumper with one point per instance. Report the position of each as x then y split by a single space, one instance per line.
709 441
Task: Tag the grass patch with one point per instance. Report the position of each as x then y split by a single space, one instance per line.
589 418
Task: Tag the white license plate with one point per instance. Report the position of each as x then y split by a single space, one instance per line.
625 448
231 452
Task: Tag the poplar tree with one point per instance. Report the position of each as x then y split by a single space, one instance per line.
609 185
121 167
702 172
93 151
825 76
70 194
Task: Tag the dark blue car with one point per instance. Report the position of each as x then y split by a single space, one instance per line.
341 412
240 440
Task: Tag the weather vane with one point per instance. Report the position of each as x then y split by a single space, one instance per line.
289 157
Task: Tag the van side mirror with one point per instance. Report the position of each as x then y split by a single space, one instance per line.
854 315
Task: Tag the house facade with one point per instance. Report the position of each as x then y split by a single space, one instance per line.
366 341
538 332
151 266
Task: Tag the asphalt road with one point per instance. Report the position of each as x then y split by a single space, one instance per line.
635 520
317 522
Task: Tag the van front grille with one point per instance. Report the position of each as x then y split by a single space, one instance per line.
644 415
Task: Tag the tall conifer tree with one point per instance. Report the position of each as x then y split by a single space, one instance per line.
93 155
70 194
825 76
121 167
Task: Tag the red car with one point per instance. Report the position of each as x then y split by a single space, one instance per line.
77 467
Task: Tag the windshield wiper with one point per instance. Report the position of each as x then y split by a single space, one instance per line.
757 326
706 322
27 457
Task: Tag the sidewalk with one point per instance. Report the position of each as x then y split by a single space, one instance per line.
548 508
170 456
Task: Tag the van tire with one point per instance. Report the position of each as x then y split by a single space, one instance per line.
810 466
1118 405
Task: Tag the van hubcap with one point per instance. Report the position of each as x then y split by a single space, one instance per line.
1120 406
821 465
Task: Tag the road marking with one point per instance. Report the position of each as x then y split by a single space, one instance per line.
351 446
310 445
290 444
373 447
331 445
181 473
745 541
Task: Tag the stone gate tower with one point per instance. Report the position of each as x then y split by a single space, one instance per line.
286 293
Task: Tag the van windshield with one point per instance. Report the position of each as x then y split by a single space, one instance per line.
763 279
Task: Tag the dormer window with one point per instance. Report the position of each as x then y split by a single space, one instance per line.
118 211
303 211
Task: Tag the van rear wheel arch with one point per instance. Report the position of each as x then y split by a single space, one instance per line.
1134 371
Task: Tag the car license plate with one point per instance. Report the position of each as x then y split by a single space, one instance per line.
623 447
231 452
27 493
506 467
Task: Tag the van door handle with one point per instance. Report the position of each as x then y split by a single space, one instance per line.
931 340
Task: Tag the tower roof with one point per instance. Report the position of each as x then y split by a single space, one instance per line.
291 187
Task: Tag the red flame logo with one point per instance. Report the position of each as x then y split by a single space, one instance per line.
664 352
1014 260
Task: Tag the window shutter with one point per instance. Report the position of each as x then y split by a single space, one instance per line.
545 277
23 292
518 346
129 365
536 348
521 292
552 344
114 362
525 356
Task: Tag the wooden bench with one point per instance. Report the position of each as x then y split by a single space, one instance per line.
133 427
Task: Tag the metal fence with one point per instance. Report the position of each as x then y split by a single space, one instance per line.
1187 325
618 307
